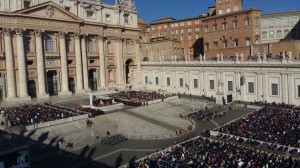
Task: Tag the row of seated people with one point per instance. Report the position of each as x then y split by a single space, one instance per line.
273 147
270 124
204 116
114 139
102 102
91 112
201 152
273 104
50 104
34 114
136 98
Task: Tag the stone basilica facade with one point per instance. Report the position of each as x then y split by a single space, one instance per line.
56 47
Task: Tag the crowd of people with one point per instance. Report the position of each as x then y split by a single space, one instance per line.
135 98
91 112
273 104
270 124
201 152
114 139
34 114
204 115
102 102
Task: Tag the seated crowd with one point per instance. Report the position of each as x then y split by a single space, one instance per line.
137 98
202 152
114 139
204 116
270 124
273 104
34 114
102 102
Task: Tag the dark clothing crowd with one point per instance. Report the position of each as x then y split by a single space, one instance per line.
114 139
270 124
204 116
34 114
202 152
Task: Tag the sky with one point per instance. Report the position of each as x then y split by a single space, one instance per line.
150 10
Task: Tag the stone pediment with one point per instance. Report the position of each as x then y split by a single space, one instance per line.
49 10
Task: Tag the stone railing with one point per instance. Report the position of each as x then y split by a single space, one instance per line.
228 62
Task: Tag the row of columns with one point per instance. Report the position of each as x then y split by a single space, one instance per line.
81 64
261 86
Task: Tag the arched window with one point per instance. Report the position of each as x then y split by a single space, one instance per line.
49 44
279 34
285 33
90 47
128 48
271 34
68 45
109 47
27 42
264 35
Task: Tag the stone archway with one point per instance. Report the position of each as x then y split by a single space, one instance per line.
146 59
52 83
72 85
32 89
129 71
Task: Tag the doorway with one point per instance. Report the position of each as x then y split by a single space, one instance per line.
52 83
32 89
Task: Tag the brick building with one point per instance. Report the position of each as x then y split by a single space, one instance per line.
231 29
188 32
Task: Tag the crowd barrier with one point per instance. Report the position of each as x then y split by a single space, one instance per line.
255 107
55 122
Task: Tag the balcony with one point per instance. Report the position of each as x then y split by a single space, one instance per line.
52 55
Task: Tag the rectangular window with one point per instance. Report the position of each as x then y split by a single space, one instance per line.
181 37
89 14
211 84
126 18
247 22
274 89
189 23
197 36
195 83
156 81
298 90
235 24
181 82
146 79
190 37
215 27
247 42
107 16
189 30
197 29
250 87
191 50
168 81
230 86
220 12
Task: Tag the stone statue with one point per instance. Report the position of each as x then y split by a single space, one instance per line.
264 56
200 57
204 57
218 56
236 56
258 55
290 55
220 87
242 56
4 123
222 56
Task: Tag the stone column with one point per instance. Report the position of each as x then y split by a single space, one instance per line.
284 90
84 64
63 65
21 65
259 87
79 86
138 71
9 60
237 85
265 86
290 89
102 61
40 64
119 55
